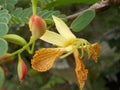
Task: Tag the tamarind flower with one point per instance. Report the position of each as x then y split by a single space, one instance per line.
67 43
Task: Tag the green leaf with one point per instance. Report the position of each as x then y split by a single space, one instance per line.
4 18
3 47
82 20
3 29
15 39
8 4
4 14
4 11
44 3
54 3
20 16
2 77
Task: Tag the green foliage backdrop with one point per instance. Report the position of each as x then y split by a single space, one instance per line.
102 27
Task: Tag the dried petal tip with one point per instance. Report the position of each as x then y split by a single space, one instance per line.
93 51
22 70
37 26
80 70
96 48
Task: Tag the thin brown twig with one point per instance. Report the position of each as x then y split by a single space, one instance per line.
99 6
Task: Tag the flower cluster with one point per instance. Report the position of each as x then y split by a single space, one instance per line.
67 43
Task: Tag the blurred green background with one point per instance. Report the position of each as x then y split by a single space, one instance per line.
104 29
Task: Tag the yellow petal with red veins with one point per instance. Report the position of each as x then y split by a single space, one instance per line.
80 70
44 59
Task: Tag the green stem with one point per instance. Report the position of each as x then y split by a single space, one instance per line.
32 49
34 5
25 47
19 57
33 45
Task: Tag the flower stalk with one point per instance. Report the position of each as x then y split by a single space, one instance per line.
34 5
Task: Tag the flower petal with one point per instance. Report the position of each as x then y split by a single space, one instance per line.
96 48
93 50
44 59
80 70
53 38
63 29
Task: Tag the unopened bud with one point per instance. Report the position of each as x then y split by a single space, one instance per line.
6 58
37 26
22 70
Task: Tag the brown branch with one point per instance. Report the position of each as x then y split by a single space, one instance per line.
115 2
98 7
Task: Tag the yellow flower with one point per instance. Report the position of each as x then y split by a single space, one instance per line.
66 43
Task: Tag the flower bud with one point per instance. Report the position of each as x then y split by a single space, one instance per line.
37 26
4 57
7 58
22 70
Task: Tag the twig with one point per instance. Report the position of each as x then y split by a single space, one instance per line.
99 6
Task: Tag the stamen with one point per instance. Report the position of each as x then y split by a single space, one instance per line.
82 52
77 44
88 50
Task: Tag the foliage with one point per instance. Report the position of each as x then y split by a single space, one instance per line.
21 16
54 3
4 18
53 80
8 4
82 20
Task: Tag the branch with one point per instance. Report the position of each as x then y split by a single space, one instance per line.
98 7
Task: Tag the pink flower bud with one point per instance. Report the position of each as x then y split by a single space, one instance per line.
22 70
37 26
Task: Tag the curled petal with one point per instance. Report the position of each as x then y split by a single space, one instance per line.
94 51
44 59
80 70
97 50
